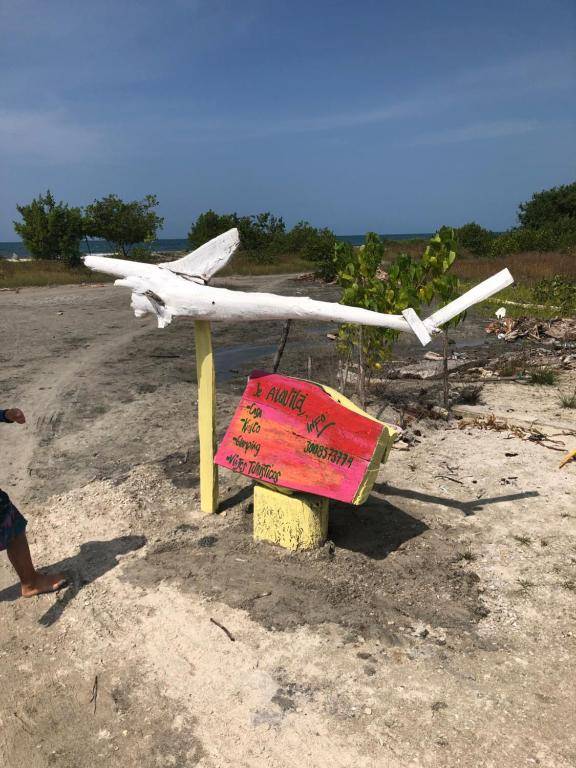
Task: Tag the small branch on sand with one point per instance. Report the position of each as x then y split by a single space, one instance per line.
94 697
24 725
223 628
453 479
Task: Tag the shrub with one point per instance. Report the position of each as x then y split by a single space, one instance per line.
51 230
471 394
567 400
315 245
549 207
262 236
208 225
320 249
475 238
410 283
264 239
559 291
261 232
559 236
544 376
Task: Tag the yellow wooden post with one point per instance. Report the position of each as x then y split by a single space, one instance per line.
206 416
293 521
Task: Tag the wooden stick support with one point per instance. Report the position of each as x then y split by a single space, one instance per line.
206 416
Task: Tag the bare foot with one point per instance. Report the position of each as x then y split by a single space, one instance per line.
44 582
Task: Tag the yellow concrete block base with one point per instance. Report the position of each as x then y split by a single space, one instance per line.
299 521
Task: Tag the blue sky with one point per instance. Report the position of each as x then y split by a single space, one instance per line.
366 115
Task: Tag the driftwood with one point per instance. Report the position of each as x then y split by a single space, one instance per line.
181 287
281 345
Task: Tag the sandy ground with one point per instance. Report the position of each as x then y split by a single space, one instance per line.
435 629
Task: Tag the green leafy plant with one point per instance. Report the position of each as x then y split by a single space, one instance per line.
123 224
410 282
543 376
560 291
567 400
51 230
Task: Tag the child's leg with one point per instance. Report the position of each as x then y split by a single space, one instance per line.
33 583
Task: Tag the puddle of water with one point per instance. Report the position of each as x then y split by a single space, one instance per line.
230 359
473 342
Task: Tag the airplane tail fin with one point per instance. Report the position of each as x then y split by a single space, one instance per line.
205 261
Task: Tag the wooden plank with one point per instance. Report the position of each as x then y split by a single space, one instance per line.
206 417
297 434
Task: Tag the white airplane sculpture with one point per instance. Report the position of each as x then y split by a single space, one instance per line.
180 288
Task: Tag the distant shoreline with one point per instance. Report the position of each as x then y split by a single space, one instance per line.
11 248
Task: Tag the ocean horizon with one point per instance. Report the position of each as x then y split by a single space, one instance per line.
16 248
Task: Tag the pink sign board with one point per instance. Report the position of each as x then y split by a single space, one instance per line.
299 435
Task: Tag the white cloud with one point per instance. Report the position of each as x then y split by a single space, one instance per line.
50 136
469 88
475 132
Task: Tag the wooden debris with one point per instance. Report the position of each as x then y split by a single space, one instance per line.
94 697
509 328
223 628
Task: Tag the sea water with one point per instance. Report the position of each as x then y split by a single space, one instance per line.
10 249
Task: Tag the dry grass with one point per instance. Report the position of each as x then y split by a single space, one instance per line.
567 399
26 274
41 273
242 264
527 268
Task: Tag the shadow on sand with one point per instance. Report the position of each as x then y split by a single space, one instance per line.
94 560
375 528
466 507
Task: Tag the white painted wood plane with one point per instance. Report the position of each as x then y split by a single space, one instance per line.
181 288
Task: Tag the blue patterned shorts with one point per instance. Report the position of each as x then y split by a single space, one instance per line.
12 523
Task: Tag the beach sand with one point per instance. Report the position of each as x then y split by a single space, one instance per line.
438 630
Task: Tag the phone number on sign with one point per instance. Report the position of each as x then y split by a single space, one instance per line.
333 455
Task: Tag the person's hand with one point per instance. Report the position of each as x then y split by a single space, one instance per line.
15 415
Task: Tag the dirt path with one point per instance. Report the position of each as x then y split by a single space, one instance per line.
437 630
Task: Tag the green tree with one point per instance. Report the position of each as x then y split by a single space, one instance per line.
549 207
409 283
123 224
263 235
316 245
208 225
51 230
475 238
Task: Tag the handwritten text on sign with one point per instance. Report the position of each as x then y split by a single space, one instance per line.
295 434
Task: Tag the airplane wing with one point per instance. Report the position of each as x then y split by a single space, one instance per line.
204 262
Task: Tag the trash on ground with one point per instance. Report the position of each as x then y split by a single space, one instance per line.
510 329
